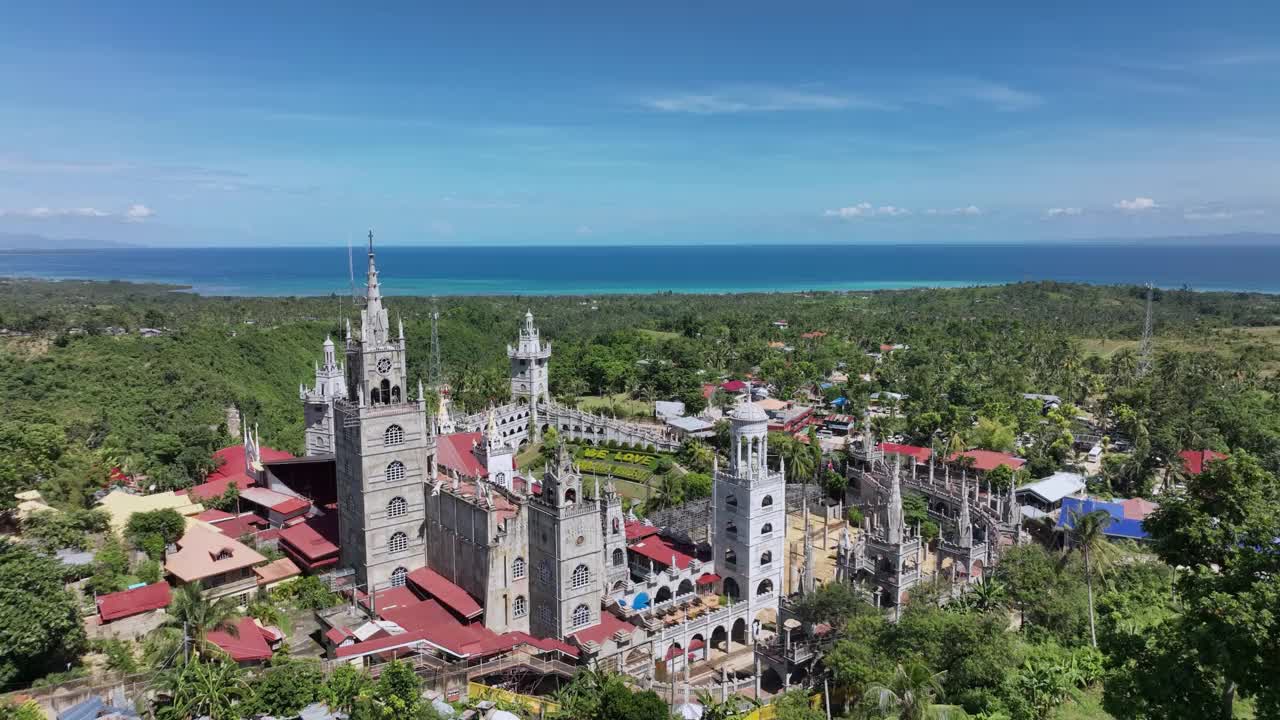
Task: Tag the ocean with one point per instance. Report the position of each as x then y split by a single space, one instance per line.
546 270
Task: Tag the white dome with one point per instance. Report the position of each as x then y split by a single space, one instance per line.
749 412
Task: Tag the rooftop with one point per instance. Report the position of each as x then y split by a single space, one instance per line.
230 460
986 460
204 553
121 506
1121 525
1055 487
277 570
662 551
454 451
275 501
314 539
438 586
247 645
637 530
127 603
210 489
921 454
1195 461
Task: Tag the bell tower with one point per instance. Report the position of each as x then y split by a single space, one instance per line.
564 547
749 500
385 451
530 372
317 402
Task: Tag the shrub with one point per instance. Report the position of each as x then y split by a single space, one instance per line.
166 524
149 571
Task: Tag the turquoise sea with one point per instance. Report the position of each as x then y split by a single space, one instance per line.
533 270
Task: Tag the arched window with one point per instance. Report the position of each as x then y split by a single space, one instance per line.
766 557
768 528
581 616
731 500
517 568
393 435
397 507
617 526
386 391
730 557
765 587
398 576
619 557
581 577
395 393
767 501
395 471
519 607
375 396
399 542
570 496
500 479
731 528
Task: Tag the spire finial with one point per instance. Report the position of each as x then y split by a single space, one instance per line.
371 242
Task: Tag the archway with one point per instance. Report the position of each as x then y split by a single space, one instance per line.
720 639
731 589
765 587
686 587
975 572
739 632
697 648
664 594
770 680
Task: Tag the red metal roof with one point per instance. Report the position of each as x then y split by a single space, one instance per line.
237 526
215 487
1196 460
248 644
603 630
444 590
662 551
709 579
212 516
454 451
985 460
338 635
733 386
127 603
921 454
230 460
314 539
637 530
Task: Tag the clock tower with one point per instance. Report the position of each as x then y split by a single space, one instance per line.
385 451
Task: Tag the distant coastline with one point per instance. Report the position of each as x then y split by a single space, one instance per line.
595 270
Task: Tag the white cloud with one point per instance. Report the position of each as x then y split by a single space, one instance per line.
47 212
969 210
584 230
866 209
138 213
756 100
135 213
1063 212
1136 204
1220 214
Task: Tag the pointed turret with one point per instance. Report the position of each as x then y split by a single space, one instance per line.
893 520
964 527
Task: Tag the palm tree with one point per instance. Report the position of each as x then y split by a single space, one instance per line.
202 689
197 616
909 694
731 709
1086 534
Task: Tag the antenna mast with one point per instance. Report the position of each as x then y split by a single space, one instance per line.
435 374
1144 350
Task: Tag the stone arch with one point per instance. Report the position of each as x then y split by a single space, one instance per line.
770 680
664 594
766 529
398 507
619 557
731 589
731 500
686 587
730 557
620 586
720 638
764 588
739 632
393 435
398 576
570 496
398 543
395 393
766 557
731 528
767 501
975 572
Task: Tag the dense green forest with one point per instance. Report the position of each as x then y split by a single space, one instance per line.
83 391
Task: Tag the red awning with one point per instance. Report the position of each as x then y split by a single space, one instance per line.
709 579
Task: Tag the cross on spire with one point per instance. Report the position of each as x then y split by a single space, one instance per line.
371 242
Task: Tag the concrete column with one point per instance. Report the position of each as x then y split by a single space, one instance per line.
757 678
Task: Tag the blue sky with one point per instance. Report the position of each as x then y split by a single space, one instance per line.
608 123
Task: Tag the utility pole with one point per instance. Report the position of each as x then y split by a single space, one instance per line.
1144 350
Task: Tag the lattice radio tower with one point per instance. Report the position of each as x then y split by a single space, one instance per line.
1144 350
435 374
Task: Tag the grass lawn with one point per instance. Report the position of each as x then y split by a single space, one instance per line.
1106 348
620 403
1089 707
659 334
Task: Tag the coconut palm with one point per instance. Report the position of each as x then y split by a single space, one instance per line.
202 689
197 616
1086 535
909 695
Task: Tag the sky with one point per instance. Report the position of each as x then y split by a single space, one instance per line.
280 123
